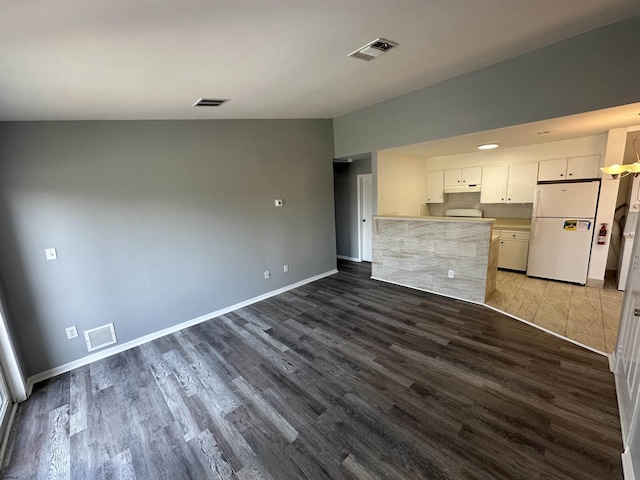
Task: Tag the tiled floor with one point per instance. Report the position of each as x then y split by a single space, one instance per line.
586 314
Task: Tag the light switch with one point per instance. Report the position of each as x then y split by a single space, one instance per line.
51 253
279 202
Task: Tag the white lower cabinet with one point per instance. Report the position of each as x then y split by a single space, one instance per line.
514 250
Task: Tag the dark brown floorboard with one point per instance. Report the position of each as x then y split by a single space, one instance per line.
342 378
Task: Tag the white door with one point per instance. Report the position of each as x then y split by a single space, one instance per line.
626 367
365 209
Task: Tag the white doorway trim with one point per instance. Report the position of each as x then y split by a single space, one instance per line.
9 362
365 208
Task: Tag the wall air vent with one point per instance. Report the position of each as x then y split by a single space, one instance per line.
100 337
373 49
210 102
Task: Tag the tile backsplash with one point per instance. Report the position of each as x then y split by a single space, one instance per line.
472 200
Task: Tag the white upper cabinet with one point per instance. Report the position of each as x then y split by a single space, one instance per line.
463 176
572 168
494 184
583 167
552 170
509 183
521 185
435 186
453 177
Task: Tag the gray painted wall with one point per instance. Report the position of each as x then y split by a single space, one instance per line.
589 72
345 183
155 223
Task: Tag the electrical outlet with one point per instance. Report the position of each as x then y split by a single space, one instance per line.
451 274
72 332
285 268
279 202
267 274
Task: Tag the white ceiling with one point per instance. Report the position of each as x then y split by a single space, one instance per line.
152 59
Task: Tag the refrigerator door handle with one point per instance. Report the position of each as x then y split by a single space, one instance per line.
532 235
536 195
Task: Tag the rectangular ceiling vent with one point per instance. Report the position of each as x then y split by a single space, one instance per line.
210 102
100 337
373 49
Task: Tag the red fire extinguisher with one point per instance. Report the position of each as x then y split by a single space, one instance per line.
603 234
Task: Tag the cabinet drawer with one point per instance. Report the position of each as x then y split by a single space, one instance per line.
513 235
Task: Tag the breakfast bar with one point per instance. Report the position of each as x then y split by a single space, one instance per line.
457 257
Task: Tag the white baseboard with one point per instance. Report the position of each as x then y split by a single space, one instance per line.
612 362
500 311
595 282
350 259
67 367
627 465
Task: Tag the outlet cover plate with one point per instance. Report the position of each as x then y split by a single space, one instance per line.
72 332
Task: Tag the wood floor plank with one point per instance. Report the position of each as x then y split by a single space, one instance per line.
343 378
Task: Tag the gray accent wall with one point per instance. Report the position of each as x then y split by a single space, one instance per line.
588 72
155 222
346 204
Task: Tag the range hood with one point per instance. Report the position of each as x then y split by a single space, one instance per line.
462 188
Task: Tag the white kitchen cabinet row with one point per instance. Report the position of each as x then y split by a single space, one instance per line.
511 183
571 168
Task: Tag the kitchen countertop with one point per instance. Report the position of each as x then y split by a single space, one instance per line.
438 219
516 224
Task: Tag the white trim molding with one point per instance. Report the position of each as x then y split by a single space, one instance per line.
67 367
627 465
350 259
10 363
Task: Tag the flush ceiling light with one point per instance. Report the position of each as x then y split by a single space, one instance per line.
620 171
488 146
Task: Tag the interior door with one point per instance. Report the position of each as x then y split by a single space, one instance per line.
366 216
627 370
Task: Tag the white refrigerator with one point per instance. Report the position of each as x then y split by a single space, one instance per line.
562 230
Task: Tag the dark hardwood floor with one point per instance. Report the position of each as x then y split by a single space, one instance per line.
342 378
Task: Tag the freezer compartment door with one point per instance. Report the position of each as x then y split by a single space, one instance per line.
566 200
559 248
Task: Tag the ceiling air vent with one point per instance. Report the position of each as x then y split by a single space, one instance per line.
373 49
209 102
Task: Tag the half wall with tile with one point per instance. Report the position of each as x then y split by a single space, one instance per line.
419 252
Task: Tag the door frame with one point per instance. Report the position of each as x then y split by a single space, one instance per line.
360 178
628 407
